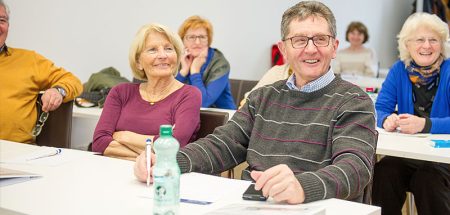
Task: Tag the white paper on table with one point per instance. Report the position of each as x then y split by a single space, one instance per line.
208 188
268 209
203 188
11 176
396 133
54 160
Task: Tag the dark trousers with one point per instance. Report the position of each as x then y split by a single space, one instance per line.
428 181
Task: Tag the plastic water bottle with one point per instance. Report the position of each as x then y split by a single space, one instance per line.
166 174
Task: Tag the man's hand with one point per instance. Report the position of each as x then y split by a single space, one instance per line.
140 167
51 100
279 183
410 124
391 122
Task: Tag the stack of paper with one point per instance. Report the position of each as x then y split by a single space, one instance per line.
10 176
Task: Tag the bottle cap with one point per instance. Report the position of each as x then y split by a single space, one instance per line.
165 130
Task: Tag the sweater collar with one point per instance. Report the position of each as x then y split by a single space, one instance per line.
4 49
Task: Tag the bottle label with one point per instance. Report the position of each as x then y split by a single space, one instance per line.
166 191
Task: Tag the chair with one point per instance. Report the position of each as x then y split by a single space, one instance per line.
209 121
235 88
239 88
57 130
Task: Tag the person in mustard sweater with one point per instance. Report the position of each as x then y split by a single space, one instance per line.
23 74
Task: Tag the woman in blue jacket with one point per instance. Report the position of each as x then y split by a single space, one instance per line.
203 66
419 85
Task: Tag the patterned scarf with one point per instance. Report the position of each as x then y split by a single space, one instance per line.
424 75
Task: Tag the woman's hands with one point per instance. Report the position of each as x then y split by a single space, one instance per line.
405 123
186 62
192 64
391 122
132 140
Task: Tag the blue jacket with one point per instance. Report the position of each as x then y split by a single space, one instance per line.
213 81
397 90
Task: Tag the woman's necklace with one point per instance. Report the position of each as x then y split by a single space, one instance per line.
161 95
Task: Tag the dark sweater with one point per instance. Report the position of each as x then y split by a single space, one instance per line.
326 137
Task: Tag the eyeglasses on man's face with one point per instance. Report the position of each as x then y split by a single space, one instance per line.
299 42
39 124
193 38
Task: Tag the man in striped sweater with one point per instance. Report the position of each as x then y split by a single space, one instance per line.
307 138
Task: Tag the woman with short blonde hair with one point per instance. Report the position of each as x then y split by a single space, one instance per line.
133 112
415 98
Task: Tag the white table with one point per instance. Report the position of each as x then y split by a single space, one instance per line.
412 146
85 120
91 184
364 81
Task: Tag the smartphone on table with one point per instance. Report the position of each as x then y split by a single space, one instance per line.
252 194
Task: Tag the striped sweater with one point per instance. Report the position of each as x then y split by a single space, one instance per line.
326 137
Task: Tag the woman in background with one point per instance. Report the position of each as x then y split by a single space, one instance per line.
356 59
203 66
419 85
133 112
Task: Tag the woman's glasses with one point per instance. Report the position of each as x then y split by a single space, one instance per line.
421 40
193 38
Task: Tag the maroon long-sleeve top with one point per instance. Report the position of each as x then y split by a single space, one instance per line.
126 110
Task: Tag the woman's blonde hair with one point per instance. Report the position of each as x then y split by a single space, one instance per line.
138 45
196 22
421 20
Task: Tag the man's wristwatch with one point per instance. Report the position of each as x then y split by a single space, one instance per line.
61 91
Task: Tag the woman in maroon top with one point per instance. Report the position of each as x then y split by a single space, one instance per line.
133 112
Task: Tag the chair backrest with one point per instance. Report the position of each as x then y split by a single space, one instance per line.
235 85
239 88
210 120
57 129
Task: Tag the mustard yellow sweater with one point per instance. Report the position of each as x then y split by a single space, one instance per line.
23 74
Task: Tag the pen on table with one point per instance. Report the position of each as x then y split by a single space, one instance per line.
148 158
48 153
193 201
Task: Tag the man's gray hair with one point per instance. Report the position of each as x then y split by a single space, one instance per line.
305 9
